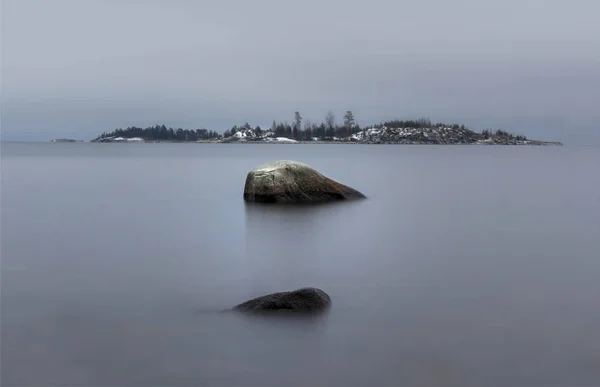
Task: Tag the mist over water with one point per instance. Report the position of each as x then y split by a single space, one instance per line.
465 265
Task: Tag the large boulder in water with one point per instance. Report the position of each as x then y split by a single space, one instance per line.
291 181
304 300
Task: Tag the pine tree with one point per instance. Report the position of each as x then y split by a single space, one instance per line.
348 122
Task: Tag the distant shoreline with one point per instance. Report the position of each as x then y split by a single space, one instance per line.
531 143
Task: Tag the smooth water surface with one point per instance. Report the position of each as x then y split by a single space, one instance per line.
466 266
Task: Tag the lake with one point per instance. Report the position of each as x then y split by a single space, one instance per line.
465 266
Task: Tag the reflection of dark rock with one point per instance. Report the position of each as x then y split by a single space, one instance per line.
305 300
291 181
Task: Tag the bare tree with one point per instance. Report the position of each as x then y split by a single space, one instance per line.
297 125
330 119
308 132
297 120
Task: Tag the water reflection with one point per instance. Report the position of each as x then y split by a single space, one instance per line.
286 244
290 214
284 319
300 225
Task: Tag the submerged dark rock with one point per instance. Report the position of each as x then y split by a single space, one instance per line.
304 300
291 181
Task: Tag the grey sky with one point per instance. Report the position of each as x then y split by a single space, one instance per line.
76 68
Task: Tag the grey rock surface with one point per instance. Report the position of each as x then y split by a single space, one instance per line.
291 181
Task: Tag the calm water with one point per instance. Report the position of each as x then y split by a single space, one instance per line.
466 266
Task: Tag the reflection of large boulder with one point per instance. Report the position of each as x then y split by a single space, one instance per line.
291 181
305 300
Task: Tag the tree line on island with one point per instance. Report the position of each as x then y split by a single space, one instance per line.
299 129
326 130
162 133
329 129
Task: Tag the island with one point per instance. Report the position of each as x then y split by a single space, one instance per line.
158 133
421 131
65 140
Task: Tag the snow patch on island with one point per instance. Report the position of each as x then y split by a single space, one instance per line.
280 139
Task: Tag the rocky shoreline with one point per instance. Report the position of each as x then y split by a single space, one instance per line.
440 135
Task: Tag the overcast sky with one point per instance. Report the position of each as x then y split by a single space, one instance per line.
76 68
